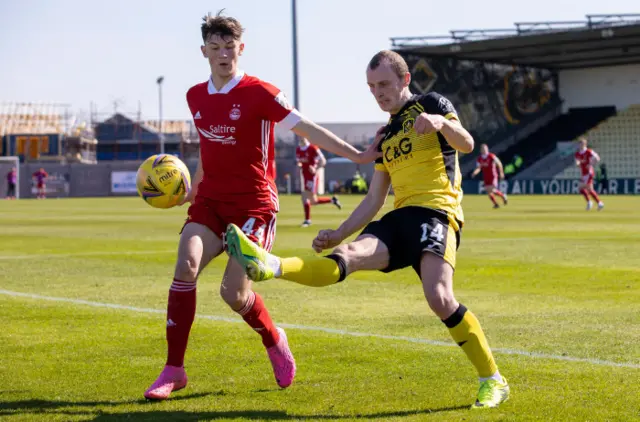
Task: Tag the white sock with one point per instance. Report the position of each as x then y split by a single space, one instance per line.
495 376
274 263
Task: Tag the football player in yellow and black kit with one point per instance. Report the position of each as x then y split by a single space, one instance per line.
419 158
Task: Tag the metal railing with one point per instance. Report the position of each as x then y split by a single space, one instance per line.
456 36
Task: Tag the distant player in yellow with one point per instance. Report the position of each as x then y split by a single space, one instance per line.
419 147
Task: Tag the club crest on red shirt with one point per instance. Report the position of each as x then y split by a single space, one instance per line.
234 114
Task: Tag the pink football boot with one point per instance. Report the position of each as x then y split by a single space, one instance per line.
282 361
172 378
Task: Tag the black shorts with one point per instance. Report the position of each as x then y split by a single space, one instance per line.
11 190
408 232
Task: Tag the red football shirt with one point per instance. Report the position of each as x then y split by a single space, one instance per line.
584 157
308 156
236 129
488 166
40 176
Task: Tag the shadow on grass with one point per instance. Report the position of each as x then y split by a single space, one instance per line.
52 407
261 415
45 406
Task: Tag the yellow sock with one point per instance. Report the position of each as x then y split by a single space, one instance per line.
466 331
313 271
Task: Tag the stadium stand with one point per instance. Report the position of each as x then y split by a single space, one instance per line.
564 128
507 85
617 141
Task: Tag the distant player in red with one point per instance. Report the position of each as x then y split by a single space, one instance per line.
492 172
309 158
12 181
586 158
235 115
40 178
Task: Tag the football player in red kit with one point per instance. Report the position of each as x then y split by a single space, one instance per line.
40 178
309 158
235 115
492 171
586 158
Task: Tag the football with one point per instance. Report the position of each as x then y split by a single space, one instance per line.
163 181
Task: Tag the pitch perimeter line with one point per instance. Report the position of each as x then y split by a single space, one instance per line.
534 355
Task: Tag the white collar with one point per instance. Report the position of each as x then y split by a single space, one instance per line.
228 86
303 148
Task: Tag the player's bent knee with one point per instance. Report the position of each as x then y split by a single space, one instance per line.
234 297
187 269
349 252
367 252
235 287
441 300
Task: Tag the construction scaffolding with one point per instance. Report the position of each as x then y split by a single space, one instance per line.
38 131
126 135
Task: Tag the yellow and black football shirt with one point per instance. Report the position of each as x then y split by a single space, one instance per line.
424 169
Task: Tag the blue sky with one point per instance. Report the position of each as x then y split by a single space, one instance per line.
75 52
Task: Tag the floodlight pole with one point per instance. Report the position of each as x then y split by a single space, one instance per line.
160 134
294 38
296 93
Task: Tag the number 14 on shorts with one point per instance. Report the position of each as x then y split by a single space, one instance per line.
434 233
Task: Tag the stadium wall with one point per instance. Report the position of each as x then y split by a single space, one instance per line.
114 178
554 187
118 179
617 85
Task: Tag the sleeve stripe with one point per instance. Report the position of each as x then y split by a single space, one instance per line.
380 167
452 116
292 119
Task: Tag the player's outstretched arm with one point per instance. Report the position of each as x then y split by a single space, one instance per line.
475 171
367 209
325 139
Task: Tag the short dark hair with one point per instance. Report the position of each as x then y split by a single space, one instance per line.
220 25
396 61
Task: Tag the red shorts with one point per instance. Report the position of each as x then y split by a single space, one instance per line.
258 225
491 182
40 185
310 184
587 179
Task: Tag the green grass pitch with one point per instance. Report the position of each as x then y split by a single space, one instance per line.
556 288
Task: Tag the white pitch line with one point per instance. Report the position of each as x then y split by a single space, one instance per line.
534 355
72 254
